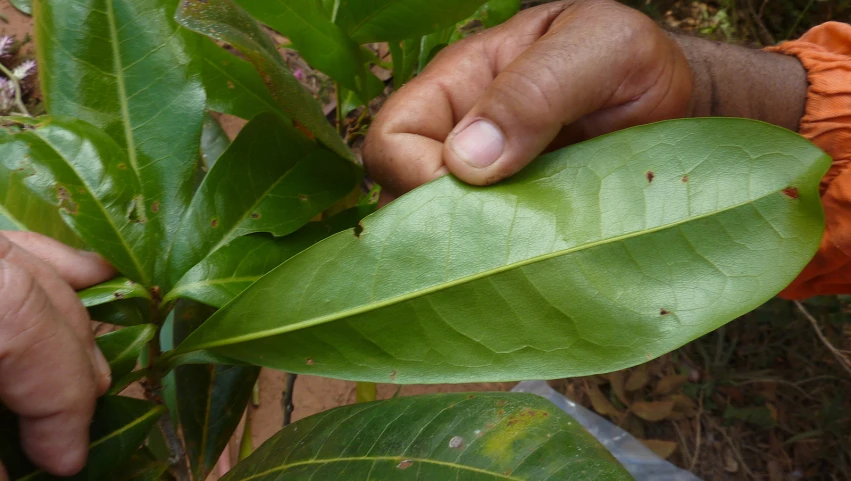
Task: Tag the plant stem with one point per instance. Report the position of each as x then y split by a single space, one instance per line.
18 98
287 401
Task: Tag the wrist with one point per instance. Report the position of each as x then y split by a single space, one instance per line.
733 81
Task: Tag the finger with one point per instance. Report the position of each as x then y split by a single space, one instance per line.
559 80
80 269
404 146
45 374
60 295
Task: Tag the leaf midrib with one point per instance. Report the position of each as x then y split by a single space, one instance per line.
122 88
373 459
463 280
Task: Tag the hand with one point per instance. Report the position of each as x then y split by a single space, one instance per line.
51 372
553 75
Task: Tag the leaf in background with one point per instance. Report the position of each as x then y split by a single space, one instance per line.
125 312
125 67
113 290
368 21
120 425
225 273
433 43
83 172
24 6
405 55
233 85
141 467
482 436
594 258
214 141
21 210
274 179
324 45
225 21
495 12
121 348
210 398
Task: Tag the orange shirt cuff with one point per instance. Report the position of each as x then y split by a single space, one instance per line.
825 52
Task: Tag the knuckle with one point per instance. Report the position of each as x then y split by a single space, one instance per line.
17 287
533 94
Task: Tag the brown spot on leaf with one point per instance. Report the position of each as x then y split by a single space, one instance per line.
358 229
393 375
663 312
685 178
155 207
405 464
122 166
118 295
309 361
214 223
65 201
650 175
304 130
302 197
791 192
457 442
255 215
231 85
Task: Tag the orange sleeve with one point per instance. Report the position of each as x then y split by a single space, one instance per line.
825 52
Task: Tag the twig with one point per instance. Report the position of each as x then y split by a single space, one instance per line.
697 429
18 98
177 455
287 401
843 361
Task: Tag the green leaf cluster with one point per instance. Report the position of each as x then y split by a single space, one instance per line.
262 251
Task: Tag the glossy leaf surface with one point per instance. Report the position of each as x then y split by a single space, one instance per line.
20 209
121 348
595 258
324 45
369 21
271 179
483 436
125 67
25 6
123 312
225 21
120 425
83 172
211 398
233 85
112 290
222 275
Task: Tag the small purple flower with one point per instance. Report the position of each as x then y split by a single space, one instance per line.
299 74
5 45
24 70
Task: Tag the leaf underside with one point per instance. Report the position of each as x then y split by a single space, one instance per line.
595 258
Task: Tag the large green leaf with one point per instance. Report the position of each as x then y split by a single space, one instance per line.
324 45
211 398
233 85
385 20
225 21
21 210
83 172
121 349
225 273
483 436
125 67
596 257
271 179
25 6
120 425
123 312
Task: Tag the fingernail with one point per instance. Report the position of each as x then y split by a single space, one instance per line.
101 364
480 144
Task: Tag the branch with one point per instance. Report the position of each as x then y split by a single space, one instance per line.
840 357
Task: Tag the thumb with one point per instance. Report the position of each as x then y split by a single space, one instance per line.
559 79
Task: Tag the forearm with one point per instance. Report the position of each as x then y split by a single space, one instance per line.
733 81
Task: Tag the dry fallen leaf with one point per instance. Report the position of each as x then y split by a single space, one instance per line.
600 402
663 449
653 411
669 384
617 380
637 379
